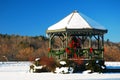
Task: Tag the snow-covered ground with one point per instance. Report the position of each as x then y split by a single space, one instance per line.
20 71
14 66
113 65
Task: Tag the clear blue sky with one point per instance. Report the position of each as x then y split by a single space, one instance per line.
33 17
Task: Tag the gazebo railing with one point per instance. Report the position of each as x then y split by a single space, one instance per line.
86 53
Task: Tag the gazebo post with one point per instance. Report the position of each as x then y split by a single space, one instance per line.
90 46
90 41
98 42
50 43
49 40
66 44
64 38
102 46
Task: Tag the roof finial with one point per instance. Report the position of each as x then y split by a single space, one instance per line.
75 11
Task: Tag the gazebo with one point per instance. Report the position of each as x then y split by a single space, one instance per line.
79 36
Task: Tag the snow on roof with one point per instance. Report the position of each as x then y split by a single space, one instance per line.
76 20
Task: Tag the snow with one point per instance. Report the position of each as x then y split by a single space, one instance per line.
52 76
37 59
113 65
20 71
76 20
64 70
14 66
62 62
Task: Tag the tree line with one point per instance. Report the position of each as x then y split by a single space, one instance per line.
24 48
16 47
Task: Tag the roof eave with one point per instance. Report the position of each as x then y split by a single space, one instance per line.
77 30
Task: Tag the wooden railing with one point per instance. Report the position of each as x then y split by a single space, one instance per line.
96 53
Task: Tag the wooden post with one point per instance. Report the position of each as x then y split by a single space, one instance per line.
49 54
50 44
103 46
98 42
50 41
66 44
90 41
90 45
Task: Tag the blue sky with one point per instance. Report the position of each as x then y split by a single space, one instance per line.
33 17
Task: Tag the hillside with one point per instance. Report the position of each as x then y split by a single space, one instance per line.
112 51
16 47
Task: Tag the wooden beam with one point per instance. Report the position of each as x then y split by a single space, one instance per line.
66 43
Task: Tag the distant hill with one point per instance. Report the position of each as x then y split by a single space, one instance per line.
112 51
16 47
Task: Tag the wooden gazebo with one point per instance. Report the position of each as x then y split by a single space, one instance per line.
79 36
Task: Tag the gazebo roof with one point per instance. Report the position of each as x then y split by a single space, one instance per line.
75 21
